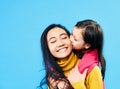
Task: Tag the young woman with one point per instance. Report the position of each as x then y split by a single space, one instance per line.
87 40
59 59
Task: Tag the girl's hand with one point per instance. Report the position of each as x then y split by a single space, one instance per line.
75 76
58 84
61 85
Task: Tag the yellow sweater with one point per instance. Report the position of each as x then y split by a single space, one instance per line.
67 65
93 80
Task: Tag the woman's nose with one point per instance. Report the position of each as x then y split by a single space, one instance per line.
60 43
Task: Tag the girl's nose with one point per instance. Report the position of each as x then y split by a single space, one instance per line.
71 37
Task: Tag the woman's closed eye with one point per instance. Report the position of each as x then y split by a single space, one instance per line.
52 40
64 36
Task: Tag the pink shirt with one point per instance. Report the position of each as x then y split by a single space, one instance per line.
89 60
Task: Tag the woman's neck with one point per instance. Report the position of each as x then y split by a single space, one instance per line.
68 63
63 59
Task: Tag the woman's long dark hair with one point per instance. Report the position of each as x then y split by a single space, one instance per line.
52 68
94 36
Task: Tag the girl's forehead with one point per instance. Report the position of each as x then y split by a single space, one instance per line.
77 30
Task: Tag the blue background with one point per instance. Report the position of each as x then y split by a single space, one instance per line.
23 21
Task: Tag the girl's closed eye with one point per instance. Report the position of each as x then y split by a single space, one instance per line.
75 39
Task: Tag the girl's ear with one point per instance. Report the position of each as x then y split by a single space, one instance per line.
87 46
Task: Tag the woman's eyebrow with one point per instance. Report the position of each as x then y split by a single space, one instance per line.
63 34
54 37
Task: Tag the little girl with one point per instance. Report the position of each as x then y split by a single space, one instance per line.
87 40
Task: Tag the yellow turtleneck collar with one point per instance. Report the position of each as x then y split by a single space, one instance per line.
68 64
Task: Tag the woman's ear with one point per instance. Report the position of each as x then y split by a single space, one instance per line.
87 46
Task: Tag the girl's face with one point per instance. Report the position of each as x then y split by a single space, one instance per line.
77 38
59 43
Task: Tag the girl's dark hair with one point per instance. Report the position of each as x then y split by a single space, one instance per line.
52 68
94 36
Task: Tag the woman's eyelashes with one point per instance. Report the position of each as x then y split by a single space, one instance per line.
64 37
53 41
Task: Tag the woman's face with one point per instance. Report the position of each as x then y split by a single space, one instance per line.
59 43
